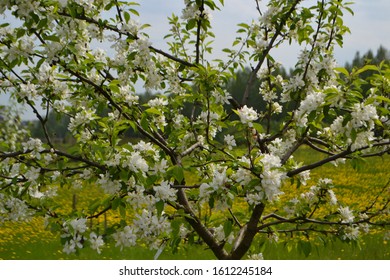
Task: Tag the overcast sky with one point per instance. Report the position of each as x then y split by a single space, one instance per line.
370 27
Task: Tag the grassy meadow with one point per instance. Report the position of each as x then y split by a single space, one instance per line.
357 185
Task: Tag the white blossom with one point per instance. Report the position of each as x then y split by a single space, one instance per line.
79 225
258 256
125 238
363 115
150 226
108 185
96 241
247 115
363 139
32 174
332 197
34 144
351 233
165 192
136 163
158 102
71 245
242 176
271 182
346 214
230 141
219 233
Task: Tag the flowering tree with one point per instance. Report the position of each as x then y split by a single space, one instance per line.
214 175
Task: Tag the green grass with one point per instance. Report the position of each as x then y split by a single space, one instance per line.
31 242
372 247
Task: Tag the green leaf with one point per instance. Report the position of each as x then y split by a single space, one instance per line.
177 173
126 16
366 68
144 122
135 12
153 111
305 247
190 24
116 202
342 70
53 38
227 227
20 32
94 206
160 207
122 211
258 127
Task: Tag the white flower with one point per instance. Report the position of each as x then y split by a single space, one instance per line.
32 174
70 246
351 233
261 44
165 192
100 55
142 146
271 161
160 166
242 176
151 226
304 177
271 182
81 119
221 98
96 241
346 214
128 96
27 91
136 162
247 115
63 3
276 108
125 238
55 175
158 102
362 139
205 190
16 209
219 233
254 198
34 192
33 144
108 185
79 225
258 256
332 198
230 141
363 115
190 12
114 160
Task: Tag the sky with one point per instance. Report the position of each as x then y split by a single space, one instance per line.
370 28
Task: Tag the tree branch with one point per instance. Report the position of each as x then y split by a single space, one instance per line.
266 52
247 233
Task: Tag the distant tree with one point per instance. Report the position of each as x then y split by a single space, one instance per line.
382 55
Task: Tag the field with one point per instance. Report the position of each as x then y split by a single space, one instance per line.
353 185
